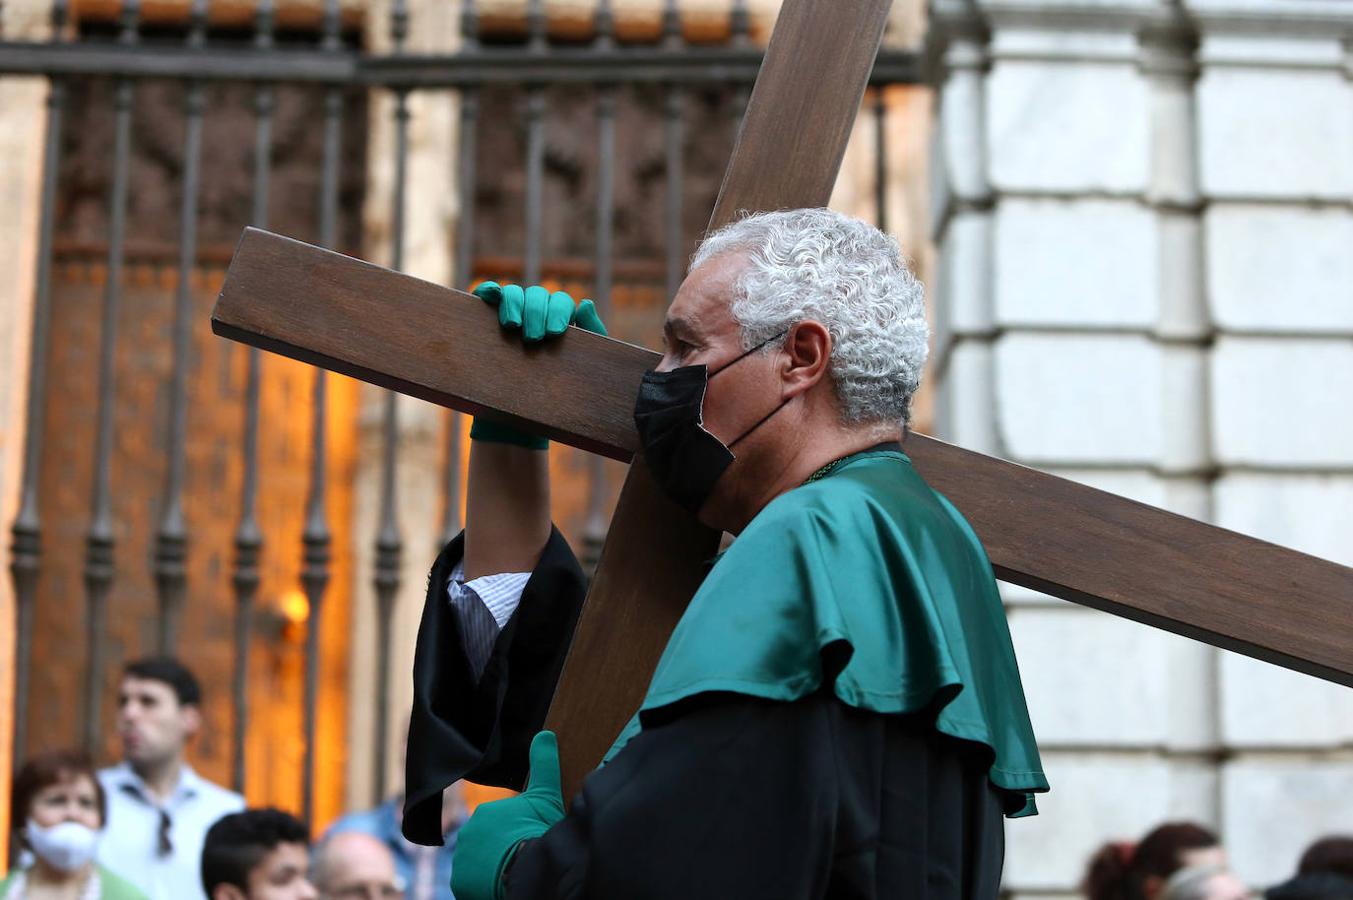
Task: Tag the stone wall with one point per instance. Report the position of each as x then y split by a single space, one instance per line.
1143 213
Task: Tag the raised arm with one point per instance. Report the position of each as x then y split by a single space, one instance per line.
502 602
507 515
508 497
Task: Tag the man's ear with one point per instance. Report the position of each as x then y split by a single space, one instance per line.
808 350
192 720
227 891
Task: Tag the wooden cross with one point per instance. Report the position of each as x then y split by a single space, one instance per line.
1040 531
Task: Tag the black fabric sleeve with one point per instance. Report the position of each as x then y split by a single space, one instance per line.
732 796
482 730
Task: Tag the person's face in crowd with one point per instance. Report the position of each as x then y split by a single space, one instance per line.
1225 886
153 725
1202 857
363 876
282 875
72 800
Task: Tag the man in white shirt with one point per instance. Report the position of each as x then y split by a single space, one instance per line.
159 809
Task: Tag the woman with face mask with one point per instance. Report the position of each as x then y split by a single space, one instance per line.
57 812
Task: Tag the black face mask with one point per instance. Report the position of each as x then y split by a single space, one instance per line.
686 459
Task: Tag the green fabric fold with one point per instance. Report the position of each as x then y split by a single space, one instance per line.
871 574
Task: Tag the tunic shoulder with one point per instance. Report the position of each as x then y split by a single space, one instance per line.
869 581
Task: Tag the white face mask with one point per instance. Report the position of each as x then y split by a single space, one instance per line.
66 846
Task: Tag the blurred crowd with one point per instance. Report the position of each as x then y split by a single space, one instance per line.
150 828
1185 861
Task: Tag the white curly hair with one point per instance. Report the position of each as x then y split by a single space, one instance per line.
821 265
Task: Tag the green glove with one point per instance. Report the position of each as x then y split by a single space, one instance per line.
540 315
487 842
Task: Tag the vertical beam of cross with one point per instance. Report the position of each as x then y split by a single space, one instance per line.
787 155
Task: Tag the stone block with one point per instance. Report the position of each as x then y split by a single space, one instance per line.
1013 39
1260 259
1091 678
965 272
1270 133
960 147
1282 401
1269 48
1083 262
1097 798
1096 680
1185 444
1065 126
1310 513
1267 706
963 402
1068 399
1274 808
1285 15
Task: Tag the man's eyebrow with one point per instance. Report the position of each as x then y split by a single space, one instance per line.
679 326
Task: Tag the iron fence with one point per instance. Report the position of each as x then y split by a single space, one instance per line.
333 65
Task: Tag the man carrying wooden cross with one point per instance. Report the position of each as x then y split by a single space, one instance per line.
838 712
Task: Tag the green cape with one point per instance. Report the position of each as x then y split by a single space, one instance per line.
872 563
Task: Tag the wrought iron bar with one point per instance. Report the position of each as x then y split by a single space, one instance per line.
881 158
739 24
461 276
675 140
604 27
469 25
248 536
171 541
169 62
472 67
675 240
536 27
389 544
26 549
99 541
594 528
535 181
316 538
536 47
739 28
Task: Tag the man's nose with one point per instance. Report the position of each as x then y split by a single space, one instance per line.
308 891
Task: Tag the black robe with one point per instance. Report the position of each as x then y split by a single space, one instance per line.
724 795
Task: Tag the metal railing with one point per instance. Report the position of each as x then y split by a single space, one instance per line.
333 65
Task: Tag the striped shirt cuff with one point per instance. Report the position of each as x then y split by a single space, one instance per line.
500 593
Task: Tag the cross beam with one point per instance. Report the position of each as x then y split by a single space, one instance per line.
1043 532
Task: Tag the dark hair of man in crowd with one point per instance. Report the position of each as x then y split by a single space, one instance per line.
45 770
171 672
1332 854
1121 870
237 843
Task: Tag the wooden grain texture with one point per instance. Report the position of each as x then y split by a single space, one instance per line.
1143 563
802 107
1043 532
788 151
404 333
